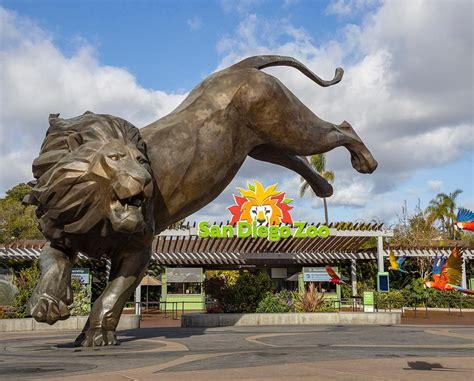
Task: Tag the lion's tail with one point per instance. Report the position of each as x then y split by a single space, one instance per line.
261 62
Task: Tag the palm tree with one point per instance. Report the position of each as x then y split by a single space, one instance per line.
318 162
443 208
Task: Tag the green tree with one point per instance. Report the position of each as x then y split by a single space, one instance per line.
442 208
318 162
18 192
17 221
416 230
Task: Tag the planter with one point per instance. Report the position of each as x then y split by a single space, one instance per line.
322 318
73 323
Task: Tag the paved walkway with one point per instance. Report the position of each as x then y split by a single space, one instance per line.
250 353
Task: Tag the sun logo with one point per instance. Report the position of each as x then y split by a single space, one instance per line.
265 206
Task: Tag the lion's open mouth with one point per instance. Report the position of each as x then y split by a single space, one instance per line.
134 201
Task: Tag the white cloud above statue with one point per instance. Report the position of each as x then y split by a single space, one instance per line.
38 79
407 91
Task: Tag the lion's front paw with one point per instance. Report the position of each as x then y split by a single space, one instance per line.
48 309
96 337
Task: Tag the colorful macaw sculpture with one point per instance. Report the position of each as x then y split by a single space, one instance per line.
447 273
396 264
464 220
334 277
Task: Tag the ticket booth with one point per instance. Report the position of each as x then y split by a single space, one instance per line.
182 288
322 281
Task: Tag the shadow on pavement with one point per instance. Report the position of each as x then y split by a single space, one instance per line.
168 333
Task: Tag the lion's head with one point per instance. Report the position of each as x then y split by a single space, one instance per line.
265 206
266 213
92 173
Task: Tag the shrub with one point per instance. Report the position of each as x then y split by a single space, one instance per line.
25 281
249 289
309 301
389 300
243 296
215 286
7 312
274 303
346 291
414 294
213 308
82 298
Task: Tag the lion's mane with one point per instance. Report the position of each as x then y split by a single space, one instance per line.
66 193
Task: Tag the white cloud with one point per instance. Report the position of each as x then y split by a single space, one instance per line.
353 193
239 6
38 79
339 7
194 23
407 88
348 7
435 185
383 212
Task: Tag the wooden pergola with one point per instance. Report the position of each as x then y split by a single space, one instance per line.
181 246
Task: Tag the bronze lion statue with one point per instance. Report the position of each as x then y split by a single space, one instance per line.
105 188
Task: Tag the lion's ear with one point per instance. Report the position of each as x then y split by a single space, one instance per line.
53 119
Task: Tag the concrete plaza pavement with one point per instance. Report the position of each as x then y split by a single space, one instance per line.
252 353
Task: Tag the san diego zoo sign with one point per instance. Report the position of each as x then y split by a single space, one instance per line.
261 212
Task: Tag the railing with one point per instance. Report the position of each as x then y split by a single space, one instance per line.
168 309
415 305
174 309
353 302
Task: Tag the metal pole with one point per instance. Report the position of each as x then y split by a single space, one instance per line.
138 299
380 254
147 297
354 276
464 277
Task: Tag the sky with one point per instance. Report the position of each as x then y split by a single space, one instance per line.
407 88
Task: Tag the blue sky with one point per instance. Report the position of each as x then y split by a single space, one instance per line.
167 45
408 98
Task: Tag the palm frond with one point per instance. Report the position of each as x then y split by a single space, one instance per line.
329 176
304 187
318 162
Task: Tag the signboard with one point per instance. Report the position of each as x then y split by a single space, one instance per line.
315 274
368 301
81 274
383 284
261 212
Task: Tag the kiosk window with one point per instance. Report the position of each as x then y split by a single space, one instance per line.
322 286
184 288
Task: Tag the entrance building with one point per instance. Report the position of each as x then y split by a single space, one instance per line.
186 256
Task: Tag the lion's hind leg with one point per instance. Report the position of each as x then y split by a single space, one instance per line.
280 119
53 293
361 158
297 164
